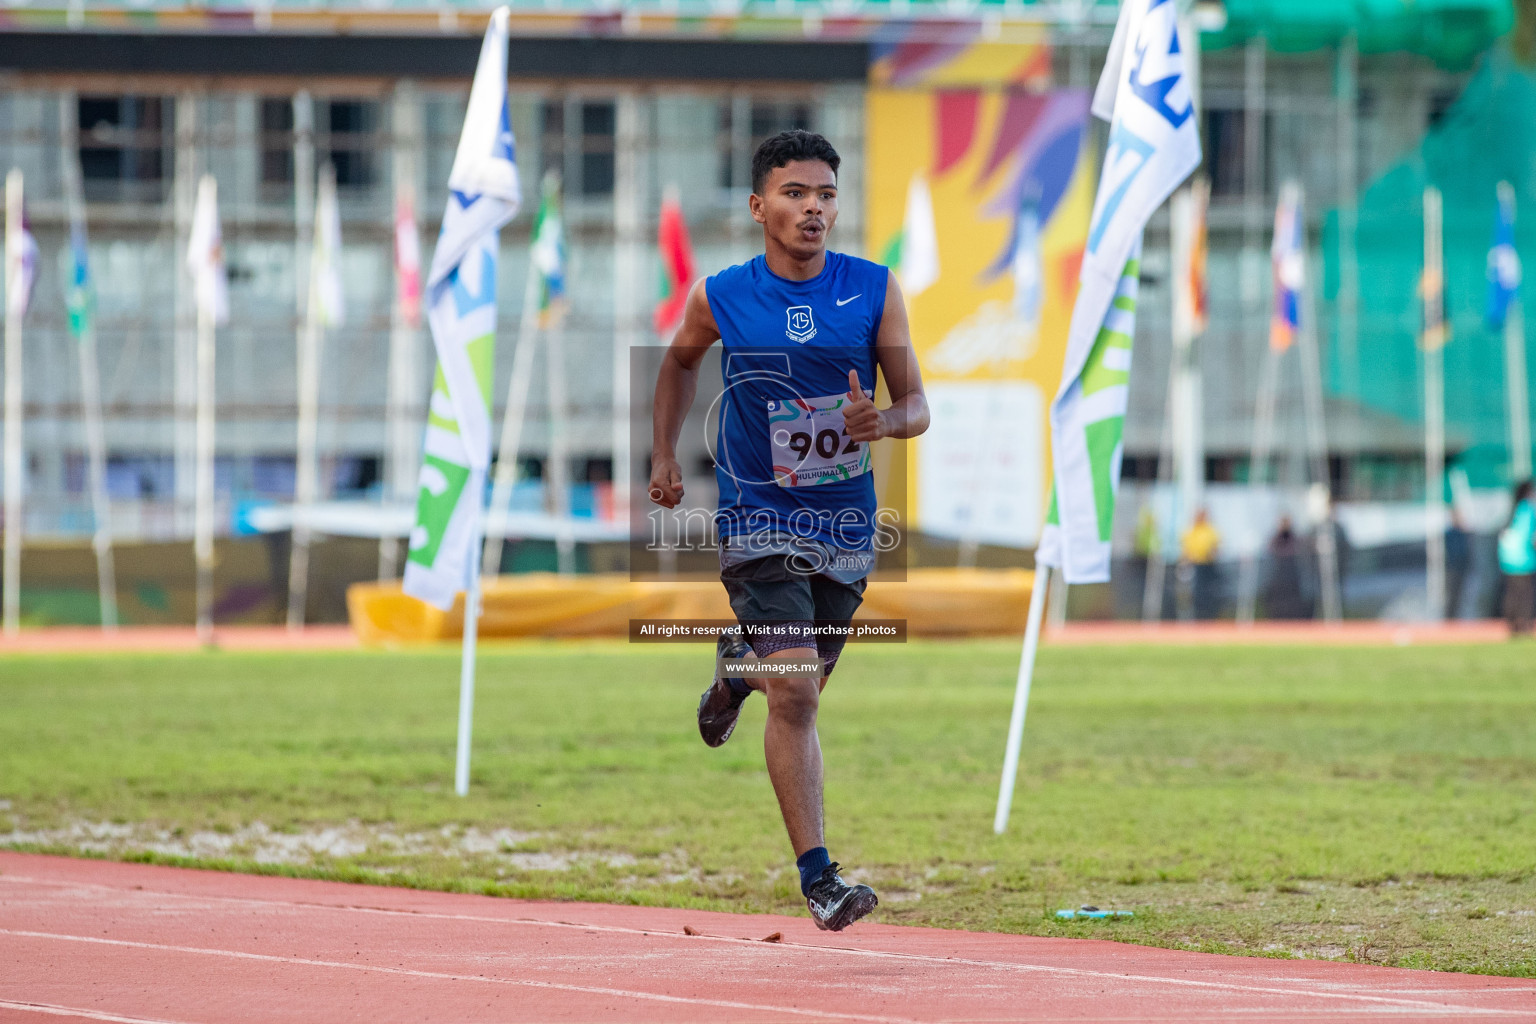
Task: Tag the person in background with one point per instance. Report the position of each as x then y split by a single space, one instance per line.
1283 588
1517 561
1146 534
1146 547
1458 563
1197 564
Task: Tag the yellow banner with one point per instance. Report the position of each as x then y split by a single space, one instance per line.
979 189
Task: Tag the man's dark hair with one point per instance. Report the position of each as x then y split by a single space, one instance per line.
787 147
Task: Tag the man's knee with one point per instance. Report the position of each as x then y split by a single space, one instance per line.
793 698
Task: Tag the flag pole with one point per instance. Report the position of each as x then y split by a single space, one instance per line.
401 388
629 169
1317 443
1515 381
1258 468
1516 390
1288 282
90 382
467 659
557 473
184 199
1434 407
1188 446
505 478
307 470
303 246
202 522
1157 559
1180 458
1021 697
13 396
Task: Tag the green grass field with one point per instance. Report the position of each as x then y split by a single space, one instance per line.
1372 804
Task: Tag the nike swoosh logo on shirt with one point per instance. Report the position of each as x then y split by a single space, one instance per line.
844 302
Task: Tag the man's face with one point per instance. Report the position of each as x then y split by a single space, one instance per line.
798 206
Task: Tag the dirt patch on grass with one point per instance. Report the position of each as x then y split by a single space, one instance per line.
372 846
1483 925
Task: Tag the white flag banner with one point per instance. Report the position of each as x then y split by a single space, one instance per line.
1028 274
20 263
205 254
1154 144
325 265
461 309
919 269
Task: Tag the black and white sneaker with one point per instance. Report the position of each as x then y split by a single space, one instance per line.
835 904
720 706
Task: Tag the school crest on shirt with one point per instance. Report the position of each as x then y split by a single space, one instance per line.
802 326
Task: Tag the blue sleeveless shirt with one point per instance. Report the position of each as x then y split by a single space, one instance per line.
787 349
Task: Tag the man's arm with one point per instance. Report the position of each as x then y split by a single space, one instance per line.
676 385
908 413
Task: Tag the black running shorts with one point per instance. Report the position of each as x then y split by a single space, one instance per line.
768 591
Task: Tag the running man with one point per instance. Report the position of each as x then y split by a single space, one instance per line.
803 331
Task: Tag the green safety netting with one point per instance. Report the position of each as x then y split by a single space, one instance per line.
1450 32
1487 135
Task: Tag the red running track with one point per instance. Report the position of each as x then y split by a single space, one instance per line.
97 941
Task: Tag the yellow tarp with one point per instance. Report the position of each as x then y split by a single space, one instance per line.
934 602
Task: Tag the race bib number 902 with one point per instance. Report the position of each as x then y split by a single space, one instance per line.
810 444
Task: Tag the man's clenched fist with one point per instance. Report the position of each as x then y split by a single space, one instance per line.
666 482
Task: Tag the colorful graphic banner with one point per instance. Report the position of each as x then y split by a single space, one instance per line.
979 190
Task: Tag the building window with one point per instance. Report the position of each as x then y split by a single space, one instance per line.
1440 103
1142 468
347 136
277 144
551 139
597 136
1226 469
1365 102
600 470
351 141
764 120
125 144
355 474
140 476
1226 160
772 118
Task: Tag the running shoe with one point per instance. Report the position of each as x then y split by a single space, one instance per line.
720 706
835 904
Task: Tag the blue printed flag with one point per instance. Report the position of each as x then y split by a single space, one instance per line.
1287 268
1503 260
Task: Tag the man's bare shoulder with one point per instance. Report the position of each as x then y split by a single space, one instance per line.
699 318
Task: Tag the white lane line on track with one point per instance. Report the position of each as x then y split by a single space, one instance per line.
1401 1002
74 1011
407 972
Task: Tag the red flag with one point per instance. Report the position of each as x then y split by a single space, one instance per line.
677 270
407 263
